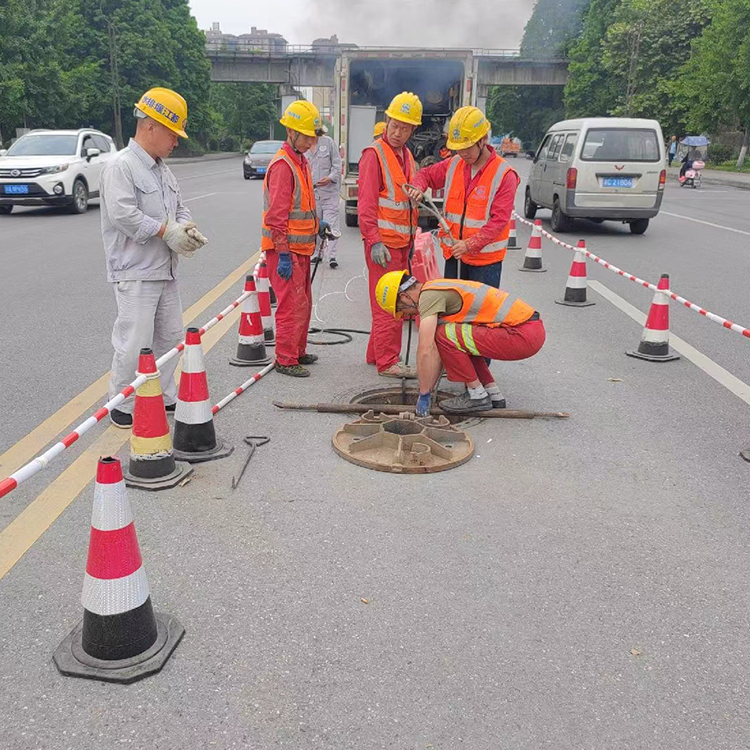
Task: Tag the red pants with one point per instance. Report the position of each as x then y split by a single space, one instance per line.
384 347
463 366
294 307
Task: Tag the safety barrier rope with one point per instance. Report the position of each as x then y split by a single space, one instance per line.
672 295
41 462
239 391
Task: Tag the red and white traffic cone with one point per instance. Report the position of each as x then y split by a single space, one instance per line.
152 465
532 261
121 638
512 237
194 434
654 344
575 288
264 300
251 347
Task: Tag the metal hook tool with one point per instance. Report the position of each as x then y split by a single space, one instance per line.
254 441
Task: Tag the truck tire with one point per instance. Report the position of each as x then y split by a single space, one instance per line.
529 207
638 226
352 220
560 222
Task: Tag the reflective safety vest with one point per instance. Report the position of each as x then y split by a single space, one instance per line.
483 305
303 220
397 218
467 214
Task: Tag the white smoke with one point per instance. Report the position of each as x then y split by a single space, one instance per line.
417 23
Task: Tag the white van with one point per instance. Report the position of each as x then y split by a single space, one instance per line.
600 168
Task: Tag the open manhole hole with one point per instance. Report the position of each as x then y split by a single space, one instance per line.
401 444
393 396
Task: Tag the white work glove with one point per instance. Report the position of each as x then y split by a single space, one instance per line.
380 255
180 240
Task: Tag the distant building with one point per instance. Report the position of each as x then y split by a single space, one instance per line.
331 44
258 40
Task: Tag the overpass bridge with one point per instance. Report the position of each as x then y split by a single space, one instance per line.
315 66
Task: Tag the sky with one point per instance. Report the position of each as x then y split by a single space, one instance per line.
399 23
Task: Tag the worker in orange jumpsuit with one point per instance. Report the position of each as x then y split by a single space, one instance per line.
290 226
480 191
388 223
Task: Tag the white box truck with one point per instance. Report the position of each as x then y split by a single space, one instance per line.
367 80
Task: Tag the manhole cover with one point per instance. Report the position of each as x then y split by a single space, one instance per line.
403 444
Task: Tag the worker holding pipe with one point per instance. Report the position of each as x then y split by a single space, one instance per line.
480 192
388 223
290 225
460 324
145 227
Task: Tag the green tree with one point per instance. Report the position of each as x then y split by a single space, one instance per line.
246 109
551 25
628 58
526 112
590 92
715 82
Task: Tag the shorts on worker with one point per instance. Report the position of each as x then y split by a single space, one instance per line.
463 347
149 314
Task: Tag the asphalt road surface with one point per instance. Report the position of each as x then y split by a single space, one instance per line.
577 584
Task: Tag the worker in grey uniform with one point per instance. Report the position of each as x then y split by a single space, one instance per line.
325 165
145 227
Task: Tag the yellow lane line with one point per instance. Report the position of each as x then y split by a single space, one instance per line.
32 444
23 531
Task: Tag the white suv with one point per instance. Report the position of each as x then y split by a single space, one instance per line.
54 168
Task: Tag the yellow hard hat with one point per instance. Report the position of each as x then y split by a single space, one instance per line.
167 107
302 116
405 107
379 129
467 126
387 289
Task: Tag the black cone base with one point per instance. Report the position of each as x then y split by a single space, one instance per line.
571 303
533 268
249 355
181 471
198 442
222 449
269 336
654 357
654 352
71 660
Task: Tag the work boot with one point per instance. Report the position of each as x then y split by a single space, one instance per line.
464 404
333 263
308 359
171 408
121 419
296 371
498 401
399 370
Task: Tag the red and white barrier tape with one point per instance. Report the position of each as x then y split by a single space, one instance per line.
40 462
239 391
672 295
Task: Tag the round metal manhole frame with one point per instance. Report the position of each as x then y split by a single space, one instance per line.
403 444
367 396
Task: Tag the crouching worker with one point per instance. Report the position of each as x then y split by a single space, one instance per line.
461 323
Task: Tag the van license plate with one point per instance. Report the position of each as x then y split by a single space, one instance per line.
16 189
621 182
